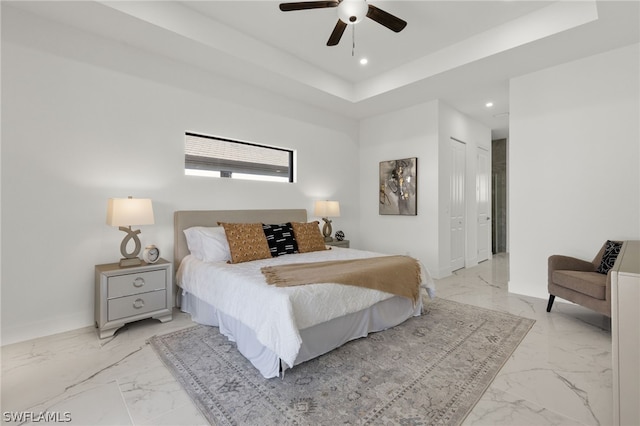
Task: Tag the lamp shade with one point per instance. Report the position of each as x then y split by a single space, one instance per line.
129 211
327 209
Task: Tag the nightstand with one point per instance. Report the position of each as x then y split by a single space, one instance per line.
127 294
336 243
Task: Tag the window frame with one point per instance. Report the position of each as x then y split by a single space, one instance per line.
217 164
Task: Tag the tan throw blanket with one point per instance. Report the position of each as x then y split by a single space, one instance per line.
399 275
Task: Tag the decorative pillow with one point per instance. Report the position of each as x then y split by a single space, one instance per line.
308 236
611 252
280 239
246 241
208 244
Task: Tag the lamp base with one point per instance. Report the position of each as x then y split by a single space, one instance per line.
326 230
133 261
130 258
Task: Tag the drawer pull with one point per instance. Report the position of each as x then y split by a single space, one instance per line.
138 282
139 303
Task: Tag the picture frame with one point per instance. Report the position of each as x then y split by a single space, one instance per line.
398 180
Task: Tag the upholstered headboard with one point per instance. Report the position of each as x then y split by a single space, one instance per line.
188 218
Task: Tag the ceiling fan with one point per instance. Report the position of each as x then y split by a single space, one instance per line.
350 12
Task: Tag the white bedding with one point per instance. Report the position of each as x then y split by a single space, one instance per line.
276 314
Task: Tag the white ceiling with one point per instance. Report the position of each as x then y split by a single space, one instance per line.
431 26
462 52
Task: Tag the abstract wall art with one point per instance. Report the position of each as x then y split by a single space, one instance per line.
398 187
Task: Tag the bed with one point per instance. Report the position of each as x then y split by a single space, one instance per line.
277 328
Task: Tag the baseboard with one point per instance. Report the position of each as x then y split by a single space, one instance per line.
43 328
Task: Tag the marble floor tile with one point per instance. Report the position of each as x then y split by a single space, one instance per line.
99 405
500 408
559 375
40 374
150 390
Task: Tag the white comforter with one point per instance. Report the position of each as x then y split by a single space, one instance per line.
276 314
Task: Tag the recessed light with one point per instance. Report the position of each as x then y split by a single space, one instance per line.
489 104
364 61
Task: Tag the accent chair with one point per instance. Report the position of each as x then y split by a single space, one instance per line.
582 282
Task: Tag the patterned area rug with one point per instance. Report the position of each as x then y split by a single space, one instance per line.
430 370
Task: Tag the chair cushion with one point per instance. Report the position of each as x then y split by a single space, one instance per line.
592 284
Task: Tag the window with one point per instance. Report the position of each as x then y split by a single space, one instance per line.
226 158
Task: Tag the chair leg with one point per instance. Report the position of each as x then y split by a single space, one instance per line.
550 304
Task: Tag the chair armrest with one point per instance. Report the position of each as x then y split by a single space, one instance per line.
568 263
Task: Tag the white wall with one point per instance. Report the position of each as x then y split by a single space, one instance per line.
411 132
573 162
423 131
85 119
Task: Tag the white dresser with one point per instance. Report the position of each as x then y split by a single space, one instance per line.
625 330
126 294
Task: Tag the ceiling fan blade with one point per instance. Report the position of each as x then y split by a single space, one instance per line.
336 34
385 18
303 5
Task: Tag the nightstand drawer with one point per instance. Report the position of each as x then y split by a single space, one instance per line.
136 304
336 243
141 282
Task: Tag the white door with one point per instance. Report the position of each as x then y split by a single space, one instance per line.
457 211
482 199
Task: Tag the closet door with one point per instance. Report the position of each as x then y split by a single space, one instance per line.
458 205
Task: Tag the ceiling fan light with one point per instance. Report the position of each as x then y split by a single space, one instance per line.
352 11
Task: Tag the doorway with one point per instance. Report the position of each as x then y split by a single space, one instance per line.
499 219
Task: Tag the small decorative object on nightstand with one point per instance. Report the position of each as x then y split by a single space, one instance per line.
336 243
151 254
339 235
127 294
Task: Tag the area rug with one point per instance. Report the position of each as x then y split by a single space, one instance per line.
430 370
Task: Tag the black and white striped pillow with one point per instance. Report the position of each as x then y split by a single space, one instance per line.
280 239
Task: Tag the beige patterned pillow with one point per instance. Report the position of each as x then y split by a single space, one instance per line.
246 241
308 236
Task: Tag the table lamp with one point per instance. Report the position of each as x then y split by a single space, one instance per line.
327 209
127 212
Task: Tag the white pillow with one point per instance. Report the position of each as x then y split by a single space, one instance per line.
208 244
